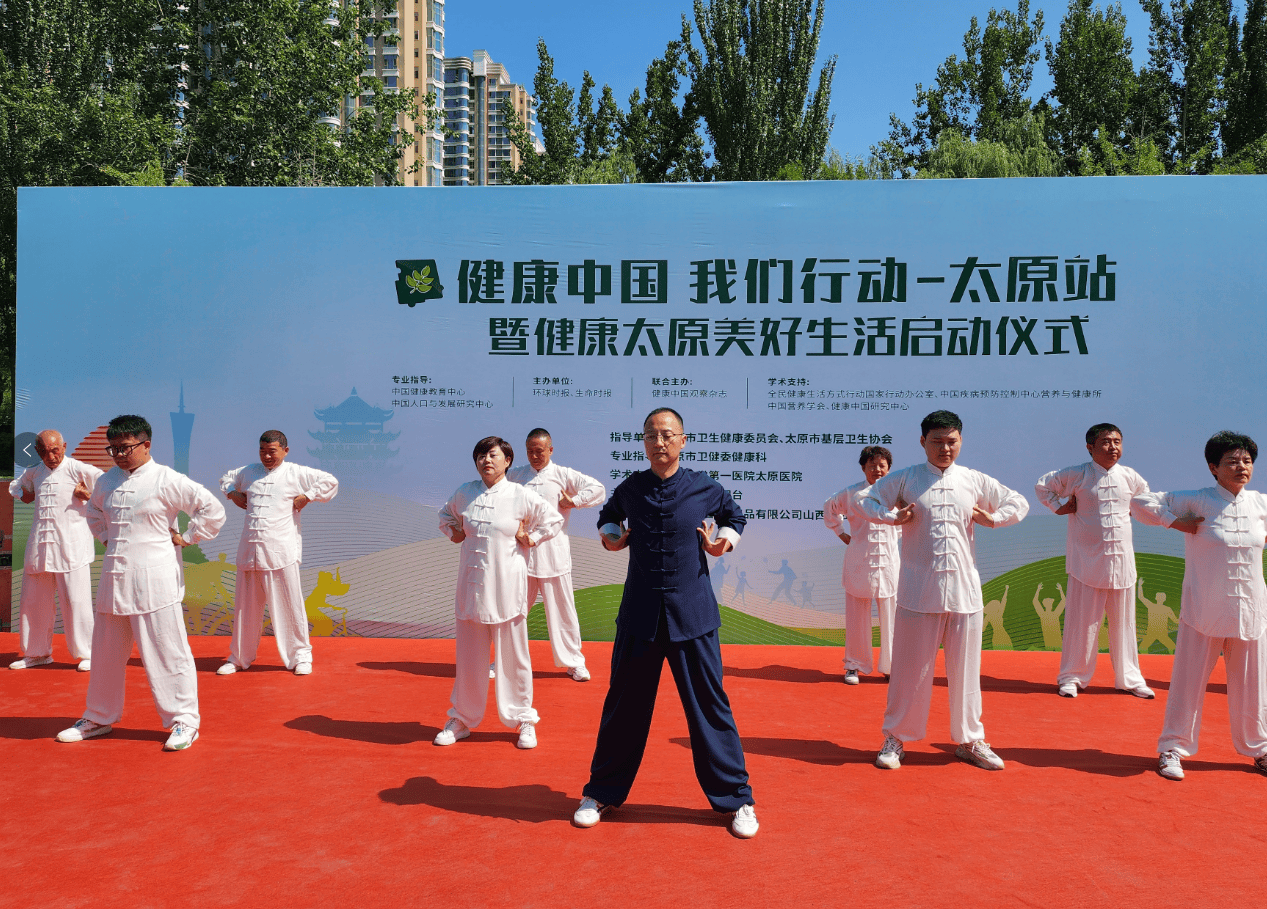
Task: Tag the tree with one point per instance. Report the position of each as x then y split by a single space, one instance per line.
750 81
1019 149
560 135
597 128
974 96
1093 79
1246 121
661 133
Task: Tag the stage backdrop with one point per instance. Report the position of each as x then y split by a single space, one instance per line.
387 330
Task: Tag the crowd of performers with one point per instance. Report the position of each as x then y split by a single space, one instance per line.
910 555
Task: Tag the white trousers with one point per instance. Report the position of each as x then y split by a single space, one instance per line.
74 592
1084 611
561 621
280 591
858 632
916 637
1246 664
169 665
512 668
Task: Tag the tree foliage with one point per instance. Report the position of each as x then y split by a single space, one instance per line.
660 132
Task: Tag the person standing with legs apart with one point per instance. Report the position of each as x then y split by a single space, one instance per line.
1224 604
59 554
273 493
1100 560
133 510
871 567
668 612
497 522
550 564
939 591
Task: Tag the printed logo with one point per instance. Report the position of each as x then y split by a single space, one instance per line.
419 279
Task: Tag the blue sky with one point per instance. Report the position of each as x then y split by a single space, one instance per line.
882 49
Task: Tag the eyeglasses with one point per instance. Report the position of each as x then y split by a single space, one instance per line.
117 451
661 436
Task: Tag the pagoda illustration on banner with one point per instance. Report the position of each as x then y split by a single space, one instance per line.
353 440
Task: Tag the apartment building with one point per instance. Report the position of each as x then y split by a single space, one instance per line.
477 148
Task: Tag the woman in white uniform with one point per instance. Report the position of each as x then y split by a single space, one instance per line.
497 522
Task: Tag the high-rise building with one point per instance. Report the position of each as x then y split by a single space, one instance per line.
415 60
182 432
477 149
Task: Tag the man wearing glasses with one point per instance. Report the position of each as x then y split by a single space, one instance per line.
133 511
668 612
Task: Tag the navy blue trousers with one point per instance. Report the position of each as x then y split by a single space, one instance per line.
627 710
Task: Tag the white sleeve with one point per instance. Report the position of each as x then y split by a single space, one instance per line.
206 514
319 486
835 510
1153 509
229 482
451 517
1006 506
544 520
1052 487
583 490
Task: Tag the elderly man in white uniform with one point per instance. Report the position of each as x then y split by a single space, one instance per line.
550 564
1100 560
273 493
133 510
939 591
59 554
496 521
870 570
1224 608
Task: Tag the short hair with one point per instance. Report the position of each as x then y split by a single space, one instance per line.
1099 429
488 443
274 436
940 419
1222 442
537 433
874 451
659 410
129 424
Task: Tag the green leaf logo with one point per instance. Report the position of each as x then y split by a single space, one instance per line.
418 280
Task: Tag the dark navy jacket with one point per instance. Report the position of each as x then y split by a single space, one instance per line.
667 566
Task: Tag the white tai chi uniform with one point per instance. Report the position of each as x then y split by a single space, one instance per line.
1100 560
268 558
142 586
1223 608
550 564
938 591
870 572
58 558
491 601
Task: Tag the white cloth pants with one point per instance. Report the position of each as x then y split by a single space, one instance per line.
280 591
512 667
74 592
1246 664
858 632
561 621
916 637
169 665
1084 610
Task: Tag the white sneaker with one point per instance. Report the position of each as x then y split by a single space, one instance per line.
744 824
527 736
1068 690
1143 691
31 662
84 729
580 673
183 735
1169 765
589 813
227 669
84 666
891 754
980 755
453 730
851 677
303 669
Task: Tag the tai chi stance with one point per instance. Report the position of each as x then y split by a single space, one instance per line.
59 554
1224 606
668 612
133 511
939 591
550 564
497 522
871 567
273 493
1100 560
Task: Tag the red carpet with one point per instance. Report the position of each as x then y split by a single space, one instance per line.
326 792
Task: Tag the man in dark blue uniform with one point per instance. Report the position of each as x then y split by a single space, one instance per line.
668 611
